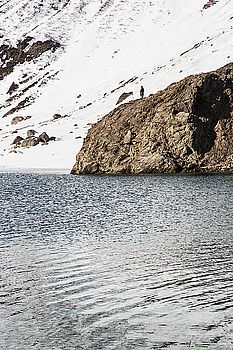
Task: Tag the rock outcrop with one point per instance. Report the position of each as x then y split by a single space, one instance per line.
188 127
31 140
19 119
12 56
124 96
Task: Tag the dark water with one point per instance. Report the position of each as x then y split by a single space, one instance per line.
116 262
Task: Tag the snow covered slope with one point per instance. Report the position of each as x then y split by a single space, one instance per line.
103 49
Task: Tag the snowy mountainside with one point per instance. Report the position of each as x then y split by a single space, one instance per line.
82 55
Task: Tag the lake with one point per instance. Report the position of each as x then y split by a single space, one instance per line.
116 262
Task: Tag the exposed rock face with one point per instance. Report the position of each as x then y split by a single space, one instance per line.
11 56
188 127
12 88
124 96
22 104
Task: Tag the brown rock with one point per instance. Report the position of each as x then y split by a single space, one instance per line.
188 127
128 137
22 104
31 133
16 120
17 140
12 56
124 96
30 142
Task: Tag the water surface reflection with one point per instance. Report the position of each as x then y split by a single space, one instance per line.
116 262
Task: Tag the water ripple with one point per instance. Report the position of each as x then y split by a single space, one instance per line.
121 263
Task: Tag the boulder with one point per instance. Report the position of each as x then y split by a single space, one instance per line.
57 116
30 142
124 96
16 120
187 127
17 140
44 137
31 133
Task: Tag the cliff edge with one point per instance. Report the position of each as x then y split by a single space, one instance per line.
187 127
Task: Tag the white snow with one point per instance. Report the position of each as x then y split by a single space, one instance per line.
104 44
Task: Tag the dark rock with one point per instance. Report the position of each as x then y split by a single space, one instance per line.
43 137
187 150
85 106
12 88
17 140
188 127
124 96
39 47
24 103
209 4
52 138
24 43
57 116
11 56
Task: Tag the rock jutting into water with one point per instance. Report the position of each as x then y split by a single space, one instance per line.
187 127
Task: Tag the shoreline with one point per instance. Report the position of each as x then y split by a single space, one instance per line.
22 170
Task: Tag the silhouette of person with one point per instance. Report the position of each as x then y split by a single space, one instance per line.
142 92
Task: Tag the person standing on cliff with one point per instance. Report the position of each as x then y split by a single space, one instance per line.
142 92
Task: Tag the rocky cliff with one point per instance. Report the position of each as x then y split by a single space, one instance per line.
188 127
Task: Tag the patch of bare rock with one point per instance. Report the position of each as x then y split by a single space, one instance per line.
24 51
19 119
31 140
188 127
